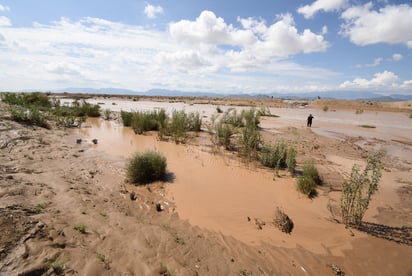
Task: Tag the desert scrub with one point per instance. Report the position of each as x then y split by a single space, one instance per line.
219 110
106 114
282 221
357 192
81 227
325 108
29 115
126 118
146 167
307 182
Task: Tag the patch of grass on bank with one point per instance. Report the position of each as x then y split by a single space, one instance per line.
310 178
146 167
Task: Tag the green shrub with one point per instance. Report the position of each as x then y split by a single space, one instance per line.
146 167
30 115
106 114
306 185
273 156
26 99
291 159
178 128
81 227
194 122
325 108
126 117
224 132
307 182
357 192
232 118
309 170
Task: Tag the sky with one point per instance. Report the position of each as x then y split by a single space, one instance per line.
254 47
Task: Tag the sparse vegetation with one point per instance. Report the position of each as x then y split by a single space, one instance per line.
282 221
307 182
57 266
219 110
176 127
146 167
39 207
325 108
106 114
126 117
81 227
359 111
358 190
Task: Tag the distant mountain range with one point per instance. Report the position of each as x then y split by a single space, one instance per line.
340 95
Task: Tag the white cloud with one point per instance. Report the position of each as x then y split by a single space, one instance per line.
391 24
254 45
324 30
376 62
397 57
309 11
209 29
4 21
386 79
93 52
4 8
152 11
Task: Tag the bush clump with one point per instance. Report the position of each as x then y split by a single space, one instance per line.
358 191
146 167
278 156
282 221
309 179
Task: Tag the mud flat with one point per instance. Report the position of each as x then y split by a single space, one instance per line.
217 210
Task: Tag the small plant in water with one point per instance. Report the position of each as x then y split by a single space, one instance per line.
146 167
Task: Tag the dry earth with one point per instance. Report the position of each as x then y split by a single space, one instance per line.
49 185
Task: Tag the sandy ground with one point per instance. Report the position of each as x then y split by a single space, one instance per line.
49 184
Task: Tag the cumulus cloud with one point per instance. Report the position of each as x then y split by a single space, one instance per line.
4 21
209 29
93 52
386 79
309 11
390 24
152 11
253 45
397 57
4 8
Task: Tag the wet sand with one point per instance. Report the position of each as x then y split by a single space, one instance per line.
209 199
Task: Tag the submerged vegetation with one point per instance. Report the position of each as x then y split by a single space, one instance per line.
177 126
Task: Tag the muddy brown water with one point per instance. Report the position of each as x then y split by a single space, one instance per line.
220 193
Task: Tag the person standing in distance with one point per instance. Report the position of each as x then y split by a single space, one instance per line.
309 121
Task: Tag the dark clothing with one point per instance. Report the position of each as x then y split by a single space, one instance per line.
310 118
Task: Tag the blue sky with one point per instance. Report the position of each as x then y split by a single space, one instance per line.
209 46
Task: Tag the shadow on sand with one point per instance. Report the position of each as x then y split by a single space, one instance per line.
401 235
